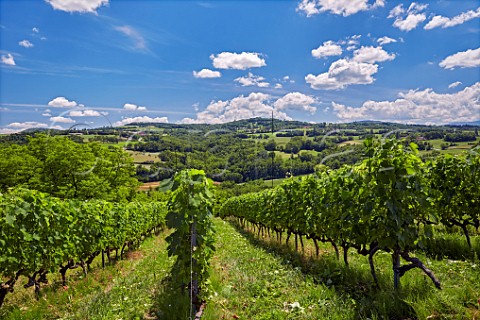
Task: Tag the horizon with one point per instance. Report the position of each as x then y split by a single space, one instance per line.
99 62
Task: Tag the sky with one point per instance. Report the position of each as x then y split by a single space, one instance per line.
91 63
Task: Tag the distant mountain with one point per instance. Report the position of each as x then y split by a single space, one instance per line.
34 130
472 123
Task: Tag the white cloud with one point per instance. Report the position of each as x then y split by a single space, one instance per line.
372 55
340 7
20 126
207 73
309 7
143 119
444 22
416 106
343 73
416 7
61 119
84 113
35 29
287 79
397 11
327 49
278 86
62 102
133 107
256 104
385 40
134 35
252 80
296 100
239 61
410 22
463 59
453 85
351 42
8 59
414 16
46 114
77 5
25 44
27 125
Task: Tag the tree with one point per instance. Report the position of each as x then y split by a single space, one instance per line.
271 145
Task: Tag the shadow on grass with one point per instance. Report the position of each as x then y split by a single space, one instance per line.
351 283
170 302
452 246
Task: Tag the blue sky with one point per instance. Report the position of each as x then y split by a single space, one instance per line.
98 62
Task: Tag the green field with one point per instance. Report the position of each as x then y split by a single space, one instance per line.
142 157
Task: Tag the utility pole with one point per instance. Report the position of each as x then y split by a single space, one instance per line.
273 152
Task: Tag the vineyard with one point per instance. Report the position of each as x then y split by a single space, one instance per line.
391 203
40 234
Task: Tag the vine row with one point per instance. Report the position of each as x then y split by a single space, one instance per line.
387 202
41 234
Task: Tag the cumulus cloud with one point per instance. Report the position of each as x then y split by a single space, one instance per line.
207 73
61 119
143 119
256 104
327 49
134 35
26 125
414 16
296 100
397 11
343 73
287 79
351 42
252 80
8 59
340 7
15 127
133 107
62 102
84 113
25 44
414 106
385 40
35 29
463 59
77 6
444 22
238 61
453 85
410 22
278 86
372 55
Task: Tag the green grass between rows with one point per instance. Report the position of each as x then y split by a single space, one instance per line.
256 278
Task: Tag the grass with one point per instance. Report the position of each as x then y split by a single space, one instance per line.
261 279
141 157
256 278
124 290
